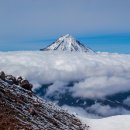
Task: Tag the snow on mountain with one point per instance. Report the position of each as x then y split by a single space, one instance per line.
67 43
120 122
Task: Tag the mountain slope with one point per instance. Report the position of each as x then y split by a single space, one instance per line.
21 109
67 43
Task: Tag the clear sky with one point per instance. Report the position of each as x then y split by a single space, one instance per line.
104 25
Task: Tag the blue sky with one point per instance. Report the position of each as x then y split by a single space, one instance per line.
104 25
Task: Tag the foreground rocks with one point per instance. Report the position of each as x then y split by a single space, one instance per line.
21 109
17 81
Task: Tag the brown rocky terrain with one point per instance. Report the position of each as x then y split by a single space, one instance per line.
21 109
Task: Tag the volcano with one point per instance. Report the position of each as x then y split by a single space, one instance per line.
69 44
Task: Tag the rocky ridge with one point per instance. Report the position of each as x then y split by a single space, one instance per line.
21 109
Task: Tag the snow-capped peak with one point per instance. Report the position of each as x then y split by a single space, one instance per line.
66 36
67 43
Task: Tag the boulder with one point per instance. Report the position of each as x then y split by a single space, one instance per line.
12 79
2 75
19 79
26 85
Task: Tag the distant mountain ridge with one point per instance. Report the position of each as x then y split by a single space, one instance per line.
67 43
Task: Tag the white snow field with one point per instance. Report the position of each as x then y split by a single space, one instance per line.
110 123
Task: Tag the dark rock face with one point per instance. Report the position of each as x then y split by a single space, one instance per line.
21 109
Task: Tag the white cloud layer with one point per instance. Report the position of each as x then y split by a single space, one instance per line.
98 74
106 110
127 101
78 111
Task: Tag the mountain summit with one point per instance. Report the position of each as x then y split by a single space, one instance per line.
67 43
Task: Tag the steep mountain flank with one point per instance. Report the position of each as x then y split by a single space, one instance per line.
21 109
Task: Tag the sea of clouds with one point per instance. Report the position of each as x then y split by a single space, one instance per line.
98 75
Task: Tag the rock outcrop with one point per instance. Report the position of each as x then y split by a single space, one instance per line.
16 81
21 109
